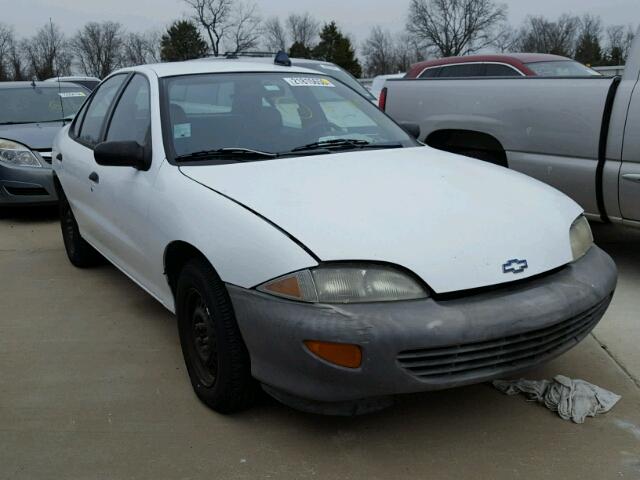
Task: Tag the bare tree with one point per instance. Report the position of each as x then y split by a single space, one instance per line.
141 48
506 39
245 31
303 29
16 60
215 17
619 40
407 52
544 36
455 27
275 36
98 48
7 40
47 53
379 53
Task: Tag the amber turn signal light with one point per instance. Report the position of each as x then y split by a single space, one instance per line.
342 354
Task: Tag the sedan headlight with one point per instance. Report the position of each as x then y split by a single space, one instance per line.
15 154
581 237
347 283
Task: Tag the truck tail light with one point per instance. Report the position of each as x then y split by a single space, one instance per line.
382 102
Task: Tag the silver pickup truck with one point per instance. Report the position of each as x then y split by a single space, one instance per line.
580 135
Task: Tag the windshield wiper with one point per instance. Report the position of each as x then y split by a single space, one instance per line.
335 142
238 154
342 144
35 121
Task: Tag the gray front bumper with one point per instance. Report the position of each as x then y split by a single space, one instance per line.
426 344
26 186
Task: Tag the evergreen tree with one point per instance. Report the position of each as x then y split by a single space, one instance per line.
588 49
182 42
299 50
336 48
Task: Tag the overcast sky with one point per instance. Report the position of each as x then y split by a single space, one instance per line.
356 17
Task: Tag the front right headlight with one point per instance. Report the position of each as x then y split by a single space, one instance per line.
347 283
15 154
581 237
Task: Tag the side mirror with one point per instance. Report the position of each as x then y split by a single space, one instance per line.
123 154
412 129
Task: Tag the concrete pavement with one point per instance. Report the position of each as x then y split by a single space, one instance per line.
93 386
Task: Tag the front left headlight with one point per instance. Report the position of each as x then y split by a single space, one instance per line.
581 237
347 283
15 154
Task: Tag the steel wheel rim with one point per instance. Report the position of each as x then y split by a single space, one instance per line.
201 338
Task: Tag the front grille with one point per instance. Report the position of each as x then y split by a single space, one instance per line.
490 357
26 191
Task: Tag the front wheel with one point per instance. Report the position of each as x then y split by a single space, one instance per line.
215 355
80 253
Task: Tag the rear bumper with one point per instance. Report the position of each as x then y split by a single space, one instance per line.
26 186
426 344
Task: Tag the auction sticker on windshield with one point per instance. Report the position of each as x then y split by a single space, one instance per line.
71 94
308 82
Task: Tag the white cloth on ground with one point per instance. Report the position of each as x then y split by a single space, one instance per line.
572 399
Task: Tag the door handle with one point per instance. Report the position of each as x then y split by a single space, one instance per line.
59 157
632 177
94 177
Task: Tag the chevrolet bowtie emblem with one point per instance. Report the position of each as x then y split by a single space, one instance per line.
515 266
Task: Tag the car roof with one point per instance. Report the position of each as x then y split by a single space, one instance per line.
199 66
44 84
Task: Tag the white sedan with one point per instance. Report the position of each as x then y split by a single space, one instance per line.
310 245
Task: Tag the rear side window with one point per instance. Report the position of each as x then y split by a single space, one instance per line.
466 70
431 73
496 70
563 68
94 119
131 120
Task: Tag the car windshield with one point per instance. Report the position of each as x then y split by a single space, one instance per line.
37 104
339 74
564 68
272 113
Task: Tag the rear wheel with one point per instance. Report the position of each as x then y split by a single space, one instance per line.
80 253
215 355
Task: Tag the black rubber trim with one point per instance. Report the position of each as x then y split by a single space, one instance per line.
280 229
602 148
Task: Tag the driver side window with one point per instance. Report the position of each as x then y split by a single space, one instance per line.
91 130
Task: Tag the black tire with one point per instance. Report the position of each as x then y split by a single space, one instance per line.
214 352
80 253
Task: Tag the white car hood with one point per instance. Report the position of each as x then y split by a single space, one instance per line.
451 220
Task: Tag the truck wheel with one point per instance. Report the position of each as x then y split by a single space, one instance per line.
80 253
214 352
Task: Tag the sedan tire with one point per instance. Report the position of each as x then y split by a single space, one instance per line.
80 253
215 354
